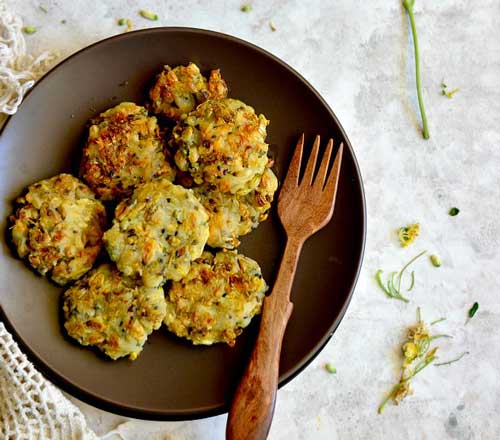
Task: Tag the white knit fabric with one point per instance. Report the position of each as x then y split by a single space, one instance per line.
32 408
18 70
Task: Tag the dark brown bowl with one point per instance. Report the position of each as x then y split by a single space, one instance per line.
171 379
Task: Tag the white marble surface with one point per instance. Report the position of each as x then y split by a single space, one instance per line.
357 54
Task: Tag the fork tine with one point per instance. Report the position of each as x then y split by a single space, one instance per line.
319 182
311 163
333 178
292 175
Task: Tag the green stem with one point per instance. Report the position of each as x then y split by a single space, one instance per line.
452 361
408 5
402 271
389 396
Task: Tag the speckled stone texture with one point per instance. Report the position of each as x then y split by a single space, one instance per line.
358 55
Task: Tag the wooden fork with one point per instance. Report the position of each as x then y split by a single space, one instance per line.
304 208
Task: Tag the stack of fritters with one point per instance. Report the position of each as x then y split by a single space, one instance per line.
160 269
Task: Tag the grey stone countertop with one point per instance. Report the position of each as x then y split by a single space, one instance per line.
359 56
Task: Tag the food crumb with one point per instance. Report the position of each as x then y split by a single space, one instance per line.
29 30
435 260
330 368
144 13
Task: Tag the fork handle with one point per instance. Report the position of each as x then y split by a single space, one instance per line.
253 404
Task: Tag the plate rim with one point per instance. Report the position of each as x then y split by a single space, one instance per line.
109 405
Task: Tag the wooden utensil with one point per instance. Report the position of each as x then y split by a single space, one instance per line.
304 208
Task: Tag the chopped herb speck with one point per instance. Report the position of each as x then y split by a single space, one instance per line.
447 93
121 22
148 15
272 27
43 8
454 211
330 368
29 30
472 311
435 260
408 234
246 8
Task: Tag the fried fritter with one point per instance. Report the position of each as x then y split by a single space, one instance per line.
232 216
124 149
222 143
58 226
217 299
178 91
112 312
157 232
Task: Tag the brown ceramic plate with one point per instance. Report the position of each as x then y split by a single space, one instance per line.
171 379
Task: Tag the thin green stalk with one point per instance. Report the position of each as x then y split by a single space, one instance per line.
412 283
389 396
400 275
452 361
408 5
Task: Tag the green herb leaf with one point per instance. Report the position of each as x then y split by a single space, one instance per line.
63 21
435 260
330 368
246 8
29 30
148 15
408 5
43 9
454 211
473 310
272 27
452 361
121 22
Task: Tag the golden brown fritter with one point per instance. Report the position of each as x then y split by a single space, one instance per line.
124 149
222 143
232 216
179 90
57 227
157 232
112 312
217 299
